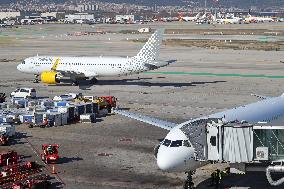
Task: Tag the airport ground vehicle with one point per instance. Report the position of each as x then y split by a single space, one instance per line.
44 124
107 102
2 97
7 131
65 97
8 158
49 153
24 93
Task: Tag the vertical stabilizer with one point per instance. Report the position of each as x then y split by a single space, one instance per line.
151 49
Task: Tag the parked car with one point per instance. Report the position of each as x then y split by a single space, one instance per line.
65 97
24 93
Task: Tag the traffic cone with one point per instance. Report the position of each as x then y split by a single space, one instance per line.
53 170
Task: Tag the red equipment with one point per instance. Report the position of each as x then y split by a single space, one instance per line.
50 153
8 158
4 139
111 100
33 182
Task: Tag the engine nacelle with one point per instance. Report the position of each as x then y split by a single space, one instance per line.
49 77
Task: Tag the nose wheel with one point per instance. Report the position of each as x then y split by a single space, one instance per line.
36 79
188 184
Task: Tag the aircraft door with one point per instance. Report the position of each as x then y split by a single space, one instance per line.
212 143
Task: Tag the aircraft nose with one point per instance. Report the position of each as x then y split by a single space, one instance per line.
165 160
19 67
163 163
175 158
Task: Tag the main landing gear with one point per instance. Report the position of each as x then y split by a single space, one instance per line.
93 80
75 83
36 80
188 184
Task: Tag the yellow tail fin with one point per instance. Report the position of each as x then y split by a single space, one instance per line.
54 67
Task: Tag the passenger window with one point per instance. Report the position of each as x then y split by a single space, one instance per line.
23 90
166 142
176 143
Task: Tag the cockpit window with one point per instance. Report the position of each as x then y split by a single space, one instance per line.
176 143
23 62
166 142
186 143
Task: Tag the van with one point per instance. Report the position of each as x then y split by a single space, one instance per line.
24 93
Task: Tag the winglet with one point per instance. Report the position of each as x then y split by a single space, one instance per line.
260 96
54 67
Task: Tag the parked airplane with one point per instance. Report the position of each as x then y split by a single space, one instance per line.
177 151
52 69
189 18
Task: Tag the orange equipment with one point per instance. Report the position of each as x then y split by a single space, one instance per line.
111 102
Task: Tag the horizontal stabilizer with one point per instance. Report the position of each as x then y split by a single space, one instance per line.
152 121
158 64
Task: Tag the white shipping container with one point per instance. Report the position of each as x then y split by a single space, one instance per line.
8 129
63 109
87 118
57 119
64 118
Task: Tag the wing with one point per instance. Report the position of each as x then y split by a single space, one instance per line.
77 73
71 73
152 121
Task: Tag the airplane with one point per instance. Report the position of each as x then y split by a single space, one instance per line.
177 152
83 68
189 18
252 19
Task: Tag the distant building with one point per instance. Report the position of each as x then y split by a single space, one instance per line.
57 15
126 18
87 7
4 15
81 16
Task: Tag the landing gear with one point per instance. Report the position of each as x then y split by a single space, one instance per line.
93 80
188 183
75 83
36 78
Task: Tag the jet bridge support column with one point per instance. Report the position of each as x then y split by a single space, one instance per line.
275 169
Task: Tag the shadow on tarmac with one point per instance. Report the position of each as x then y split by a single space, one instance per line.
252 180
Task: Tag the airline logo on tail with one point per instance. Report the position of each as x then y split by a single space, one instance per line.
55 65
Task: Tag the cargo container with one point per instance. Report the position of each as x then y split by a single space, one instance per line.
61 103
87 118
8 129
26 118
64 118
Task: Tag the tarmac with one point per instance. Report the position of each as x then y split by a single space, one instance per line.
201 82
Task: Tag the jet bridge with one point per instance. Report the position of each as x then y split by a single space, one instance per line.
216 140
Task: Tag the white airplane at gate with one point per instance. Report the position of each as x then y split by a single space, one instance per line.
52 69
177 153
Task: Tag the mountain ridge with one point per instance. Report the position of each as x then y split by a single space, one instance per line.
228 3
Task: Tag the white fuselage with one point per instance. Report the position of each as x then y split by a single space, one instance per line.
182 158
89 66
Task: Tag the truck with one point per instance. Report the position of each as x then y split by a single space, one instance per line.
107 102
49 153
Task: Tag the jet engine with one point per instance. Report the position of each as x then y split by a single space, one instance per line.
49 77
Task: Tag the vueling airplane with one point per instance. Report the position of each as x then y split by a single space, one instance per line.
52 69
